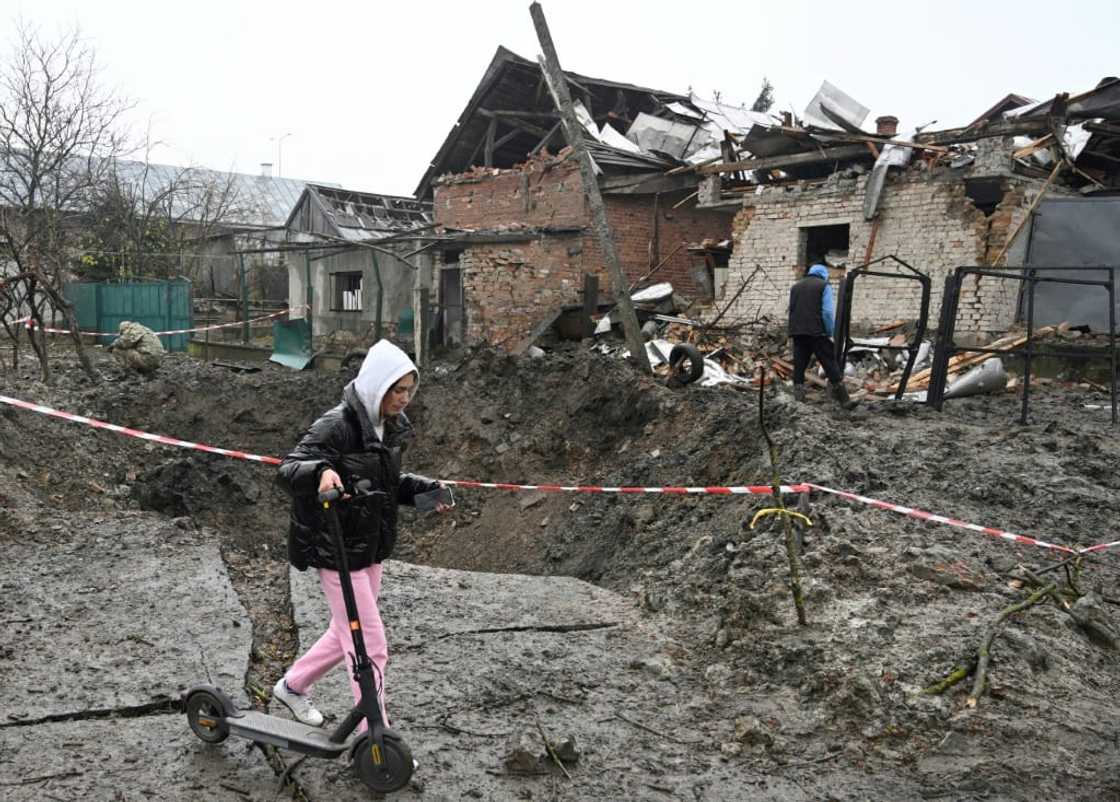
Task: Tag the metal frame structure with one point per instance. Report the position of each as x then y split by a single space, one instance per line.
844 341
945 347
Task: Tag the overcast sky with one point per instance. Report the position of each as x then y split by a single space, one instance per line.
369 90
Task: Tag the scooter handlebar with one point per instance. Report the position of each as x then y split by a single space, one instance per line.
362 490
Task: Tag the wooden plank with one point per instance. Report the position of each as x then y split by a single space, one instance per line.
790 160
1038 144
951 136
545 139
646 184
488 148
528 115
1030 211
504 138
786 370
959 362
1103 128
544 325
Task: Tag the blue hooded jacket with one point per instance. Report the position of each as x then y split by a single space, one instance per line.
828 305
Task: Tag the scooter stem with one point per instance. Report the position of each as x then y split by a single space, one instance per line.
362 667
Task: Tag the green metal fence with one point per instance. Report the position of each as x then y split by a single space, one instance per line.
159 305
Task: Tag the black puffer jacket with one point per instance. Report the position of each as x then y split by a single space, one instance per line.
344 440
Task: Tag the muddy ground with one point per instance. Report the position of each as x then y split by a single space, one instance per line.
753 703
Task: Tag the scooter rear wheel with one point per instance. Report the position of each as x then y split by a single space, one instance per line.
394 770
207 716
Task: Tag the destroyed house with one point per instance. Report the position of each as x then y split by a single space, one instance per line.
352 259
508 197
976 196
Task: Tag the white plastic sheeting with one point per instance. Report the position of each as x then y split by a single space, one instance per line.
851 110
698 140
609 136
666 136
653 293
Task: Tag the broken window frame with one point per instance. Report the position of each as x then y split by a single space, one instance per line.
345 297
945 347
843 339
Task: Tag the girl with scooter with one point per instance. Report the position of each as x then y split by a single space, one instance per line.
359 440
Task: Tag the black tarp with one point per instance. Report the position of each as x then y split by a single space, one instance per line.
1075 232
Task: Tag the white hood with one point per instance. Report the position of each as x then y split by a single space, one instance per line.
383 366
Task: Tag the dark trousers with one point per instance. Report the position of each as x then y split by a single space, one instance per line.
805 347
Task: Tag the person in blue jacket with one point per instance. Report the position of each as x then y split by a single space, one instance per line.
812 320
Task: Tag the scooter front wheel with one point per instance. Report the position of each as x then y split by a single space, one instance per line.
207 716
383 770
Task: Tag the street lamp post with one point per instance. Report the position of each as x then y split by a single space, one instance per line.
279 140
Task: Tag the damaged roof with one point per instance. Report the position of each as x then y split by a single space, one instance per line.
631 130
1082 130
345 214
253 201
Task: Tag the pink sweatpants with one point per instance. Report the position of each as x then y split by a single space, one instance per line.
336 644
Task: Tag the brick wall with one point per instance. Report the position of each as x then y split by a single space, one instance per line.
542 193
925 219
631 222
509 287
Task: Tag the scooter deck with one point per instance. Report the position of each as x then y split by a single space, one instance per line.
286 734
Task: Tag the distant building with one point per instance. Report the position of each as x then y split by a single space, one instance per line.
358 259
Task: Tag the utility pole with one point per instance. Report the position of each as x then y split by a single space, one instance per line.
573 132
279 140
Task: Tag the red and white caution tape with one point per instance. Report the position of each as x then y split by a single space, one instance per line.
1099 547
225 452
31 325
764 490
737 490
154 438
922 515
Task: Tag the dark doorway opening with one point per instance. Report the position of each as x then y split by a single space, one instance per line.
451 312
825 242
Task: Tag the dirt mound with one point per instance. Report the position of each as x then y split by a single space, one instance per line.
894 605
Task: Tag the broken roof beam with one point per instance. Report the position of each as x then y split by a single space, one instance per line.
530 115
952 136
790 160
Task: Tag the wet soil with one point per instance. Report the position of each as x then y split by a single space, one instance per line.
893 604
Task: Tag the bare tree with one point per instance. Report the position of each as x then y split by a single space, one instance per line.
60 134
144 218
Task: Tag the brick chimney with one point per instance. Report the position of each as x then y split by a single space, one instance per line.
886 126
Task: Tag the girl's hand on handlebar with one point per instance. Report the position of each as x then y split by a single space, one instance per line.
329 480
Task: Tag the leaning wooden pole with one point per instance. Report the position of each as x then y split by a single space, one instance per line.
573 132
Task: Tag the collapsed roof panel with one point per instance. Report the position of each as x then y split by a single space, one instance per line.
339 213
1101 101
849 109
511 114
658 135
1083 129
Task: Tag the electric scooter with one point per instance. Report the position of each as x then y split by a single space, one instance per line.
380 757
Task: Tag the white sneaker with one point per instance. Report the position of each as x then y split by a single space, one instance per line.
298 703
